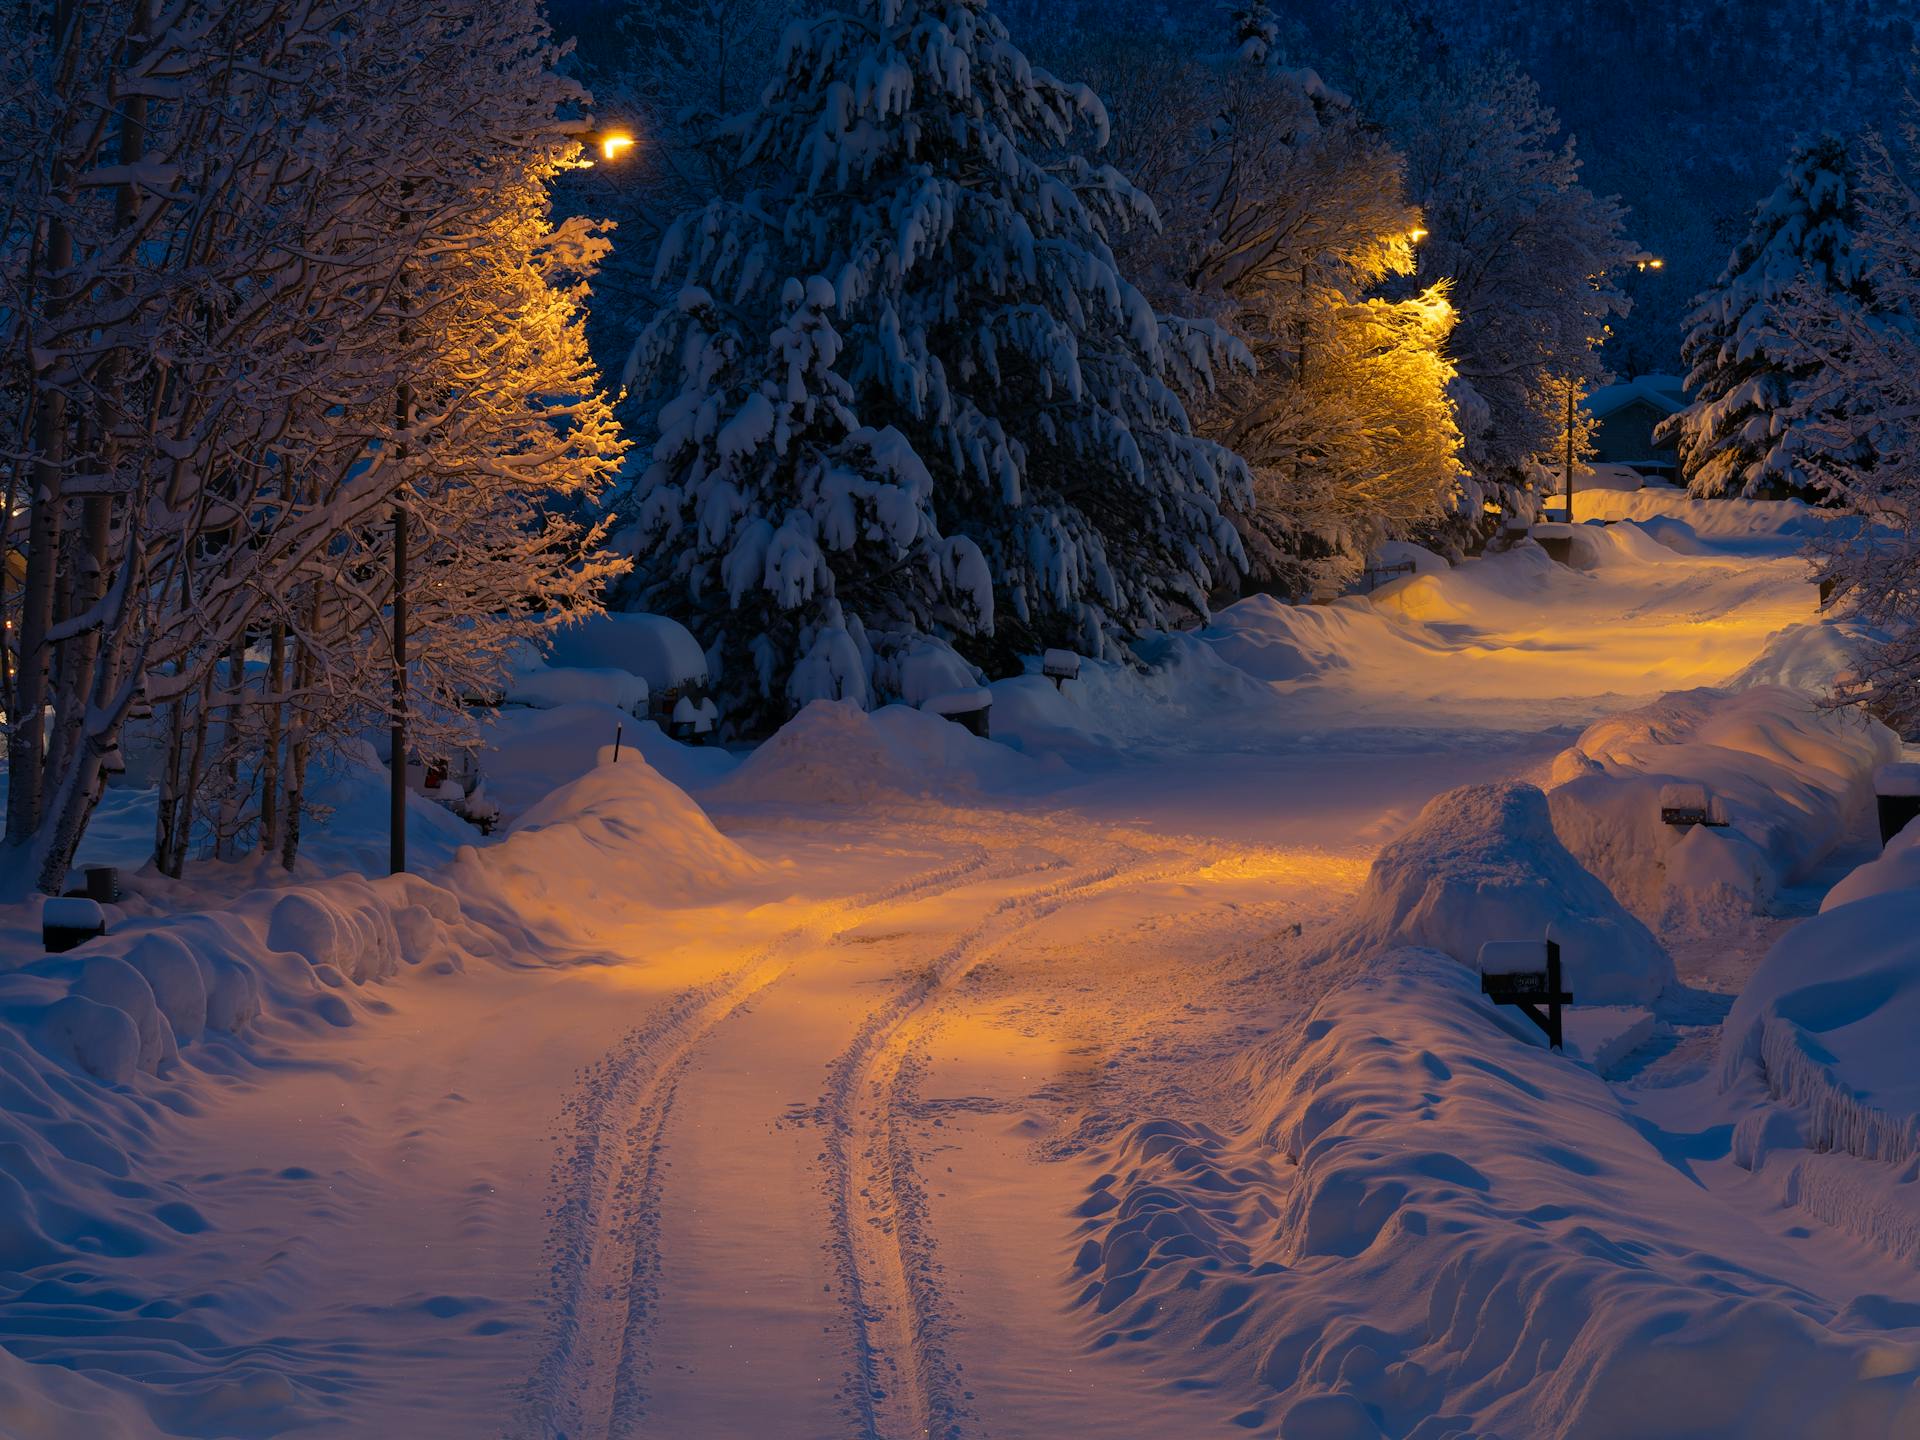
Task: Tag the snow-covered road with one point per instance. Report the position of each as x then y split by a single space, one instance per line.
759 1194
857 1111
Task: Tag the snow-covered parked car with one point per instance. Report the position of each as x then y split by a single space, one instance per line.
932 677
660 652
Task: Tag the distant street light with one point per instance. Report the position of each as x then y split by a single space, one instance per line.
1416 235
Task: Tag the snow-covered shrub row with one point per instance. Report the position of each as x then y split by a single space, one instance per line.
1431 1226
903 389
1483 863
1791 778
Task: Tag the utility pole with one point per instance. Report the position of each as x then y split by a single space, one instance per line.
1570 394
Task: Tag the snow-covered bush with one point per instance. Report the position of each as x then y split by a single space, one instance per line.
1483 863
903 388
1283 212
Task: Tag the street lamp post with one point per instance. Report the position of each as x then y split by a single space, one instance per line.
1643 263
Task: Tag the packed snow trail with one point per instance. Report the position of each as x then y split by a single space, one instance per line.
636 1345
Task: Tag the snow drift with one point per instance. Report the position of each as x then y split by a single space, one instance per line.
1483 863
835 753
1793 779
1519 1278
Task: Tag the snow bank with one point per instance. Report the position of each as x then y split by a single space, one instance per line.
1896 868
1691 526
1792 779
661 651
1829 1020
1432 1227
1481 864
835 753
1808 657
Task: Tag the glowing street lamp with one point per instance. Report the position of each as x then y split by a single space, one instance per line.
612 145
1416 235
1651 262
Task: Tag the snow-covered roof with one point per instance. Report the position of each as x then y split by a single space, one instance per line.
1664 392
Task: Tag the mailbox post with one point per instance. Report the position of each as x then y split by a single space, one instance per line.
1504 983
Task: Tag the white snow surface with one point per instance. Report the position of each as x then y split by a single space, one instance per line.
887 1080
1398 1241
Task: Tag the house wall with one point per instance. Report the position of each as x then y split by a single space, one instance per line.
1626 437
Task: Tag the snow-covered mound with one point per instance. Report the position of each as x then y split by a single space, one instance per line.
1829 1020
581 842
1808 657
1483 863
1273 641
1432 1227
1792 780
835 753
1897 867
544 687
660 650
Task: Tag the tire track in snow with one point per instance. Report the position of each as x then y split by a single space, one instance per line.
603 1237
902 1382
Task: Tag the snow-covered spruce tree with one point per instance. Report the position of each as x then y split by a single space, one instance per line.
1859 394
904 389
1740 435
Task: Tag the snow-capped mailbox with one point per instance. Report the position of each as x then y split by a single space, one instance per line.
970 708
1508 977
1060 666
694 719
69 921
1685 805
1897 788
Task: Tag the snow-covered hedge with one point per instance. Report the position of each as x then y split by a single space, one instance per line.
1483 863
1792 778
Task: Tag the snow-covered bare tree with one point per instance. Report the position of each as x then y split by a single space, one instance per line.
284 265
1744 432
905 389
1529 252
1282 213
